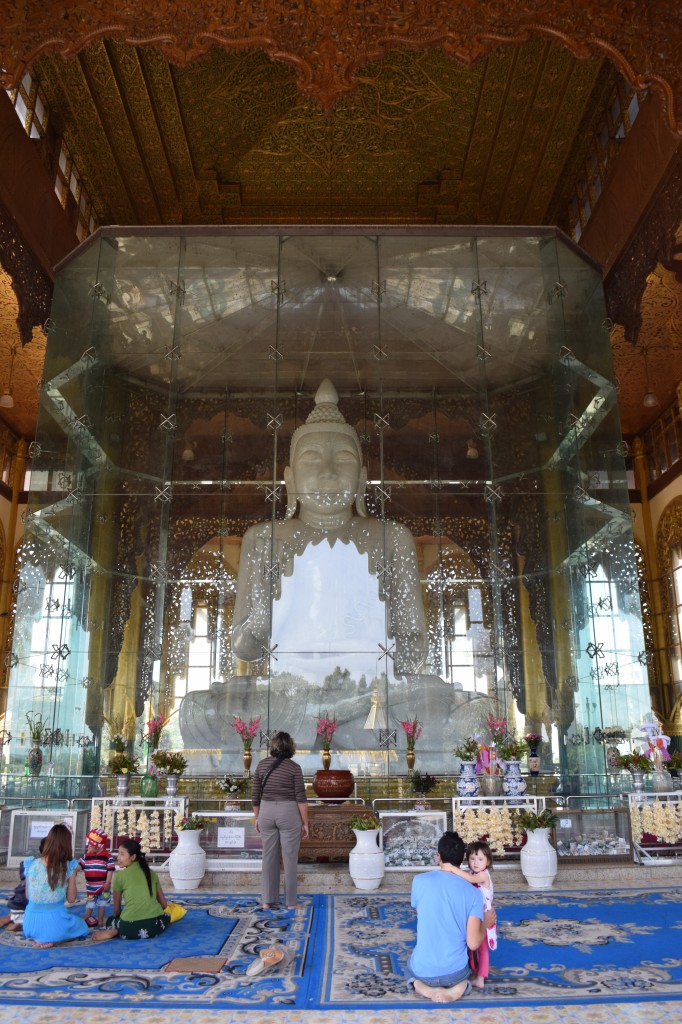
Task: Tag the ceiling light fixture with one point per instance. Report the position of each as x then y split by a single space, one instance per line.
650 400
7 398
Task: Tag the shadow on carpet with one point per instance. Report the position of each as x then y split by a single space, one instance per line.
350 951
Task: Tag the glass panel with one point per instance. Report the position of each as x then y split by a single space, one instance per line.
438 531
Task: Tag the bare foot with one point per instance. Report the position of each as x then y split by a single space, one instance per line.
14 926
104 935
441 995
478 982
44 945
5 920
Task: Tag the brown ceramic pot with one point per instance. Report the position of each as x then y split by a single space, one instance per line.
333 784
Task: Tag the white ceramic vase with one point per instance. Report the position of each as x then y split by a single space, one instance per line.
539 860
187 862
366 859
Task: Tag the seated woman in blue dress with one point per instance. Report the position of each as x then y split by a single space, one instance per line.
50 880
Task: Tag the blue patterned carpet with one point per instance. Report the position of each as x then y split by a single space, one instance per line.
348 952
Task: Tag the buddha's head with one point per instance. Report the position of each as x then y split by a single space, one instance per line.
325 472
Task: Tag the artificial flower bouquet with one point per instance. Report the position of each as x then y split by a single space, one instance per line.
422 782
36 727
533 739
190 823
468 749
154 730
529 820
326 727
169 762
232 784
246 731
121 763
497 727
511 748
634 762
365 822
412 728
118 742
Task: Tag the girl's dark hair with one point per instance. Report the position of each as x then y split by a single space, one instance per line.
57 852
480 847
135 850
282 745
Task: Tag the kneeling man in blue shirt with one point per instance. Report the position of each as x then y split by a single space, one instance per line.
450 921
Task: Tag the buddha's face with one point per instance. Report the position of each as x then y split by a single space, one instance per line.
326 473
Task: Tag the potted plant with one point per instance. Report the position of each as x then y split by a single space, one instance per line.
232 786
37 730
366 859
638 764
172 764
422 783
123 765
187 862
538 856
468 752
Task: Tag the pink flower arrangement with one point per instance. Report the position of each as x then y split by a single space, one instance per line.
154 730
497 727
326 727
413 730
244 731
533 738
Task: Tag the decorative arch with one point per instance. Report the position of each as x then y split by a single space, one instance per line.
327 42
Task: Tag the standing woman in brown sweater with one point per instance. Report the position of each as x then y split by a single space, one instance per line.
281 809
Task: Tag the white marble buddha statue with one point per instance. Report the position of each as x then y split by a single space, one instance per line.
328 584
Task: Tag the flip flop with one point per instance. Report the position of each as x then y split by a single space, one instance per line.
268 958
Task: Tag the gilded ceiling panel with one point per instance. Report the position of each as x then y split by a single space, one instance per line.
327 42
77 117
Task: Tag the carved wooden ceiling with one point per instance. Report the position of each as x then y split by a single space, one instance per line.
294 111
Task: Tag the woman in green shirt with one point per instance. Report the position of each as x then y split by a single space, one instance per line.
143 915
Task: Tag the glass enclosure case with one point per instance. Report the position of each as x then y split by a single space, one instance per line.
278 475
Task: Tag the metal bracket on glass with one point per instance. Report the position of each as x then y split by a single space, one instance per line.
163 494
226 438
482 354
275 422
387 652
172 354
378 290
178 288
381 422
487 424
269 652
387 738
98 291
60 651
168 423
479 288
595 650
273 494
275 354
271 570
492 494
159 571
558 291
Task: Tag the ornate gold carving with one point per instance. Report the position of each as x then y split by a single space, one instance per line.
328 42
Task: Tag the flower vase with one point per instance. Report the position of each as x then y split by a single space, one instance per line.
612 755
533 762
467 783
421 803
491 785
246 756
513 783
366 859
187 862
326 759
662 781
637 781
149 786
538 859
410 759
172 785
122 783
35 760
230 805
333 784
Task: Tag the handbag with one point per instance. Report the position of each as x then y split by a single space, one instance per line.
268 774
175 911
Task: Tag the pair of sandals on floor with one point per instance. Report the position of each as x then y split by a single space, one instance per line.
269 959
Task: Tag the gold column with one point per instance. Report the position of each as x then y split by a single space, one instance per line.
662 697
8 567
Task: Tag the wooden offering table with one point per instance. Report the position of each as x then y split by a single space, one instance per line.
331 837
